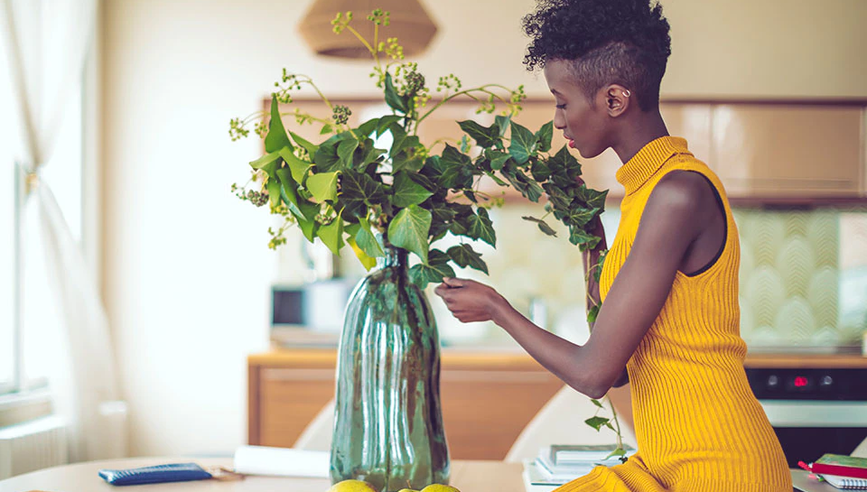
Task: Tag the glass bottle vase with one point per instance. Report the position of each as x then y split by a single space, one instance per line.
388 427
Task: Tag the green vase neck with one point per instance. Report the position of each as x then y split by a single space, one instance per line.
394 258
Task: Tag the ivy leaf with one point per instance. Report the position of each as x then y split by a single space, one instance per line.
582 239
600 263
564 168
454 169
358 190
367 241
497 158
403 162
288 192
523 144
503 124
273 186
367 128
432 270
484 136
386 122
592 314
345 149
309 228
407 192
267 162
593 198
297 166
540 170
326 128
367 261
409 230
597 402
276 138
596 422
543 226
479 226
394 101
326 157
581 216
323 186
332 235
544 135
310 147
616 452
464 256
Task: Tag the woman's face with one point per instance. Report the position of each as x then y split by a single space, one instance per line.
584 125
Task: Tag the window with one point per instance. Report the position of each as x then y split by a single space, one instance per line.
23 361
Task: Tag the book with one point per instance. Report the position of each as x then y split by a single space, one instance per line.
537 477
529 484
840 465
846 483
287 462
583 453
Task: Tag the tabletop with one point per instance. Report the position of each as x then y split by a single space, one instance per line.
468 476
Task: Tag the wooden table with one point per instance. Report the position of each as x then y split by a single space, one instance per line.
468 476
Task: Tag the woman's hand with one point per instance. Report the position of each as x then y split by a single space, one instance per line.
470 301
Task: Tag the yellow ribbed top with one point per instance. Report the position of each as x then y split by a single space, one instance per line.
698 425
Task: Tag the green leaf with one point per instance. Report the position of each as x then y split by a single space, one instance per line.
497 158
310 147
273 190
407 192
503 124
297 166
592 314
323 186
540 170
597 402
359 191
345 149
367 241
593 198
543 226
309 228
533 191
403 162
267 162
479 226
484 136
582 239
332 235
523 144
289 186
465 256
616 452
326 128
454 169
326 158
394 101
600 264
596 422
387 122
431 271
367 128
367 261
564 168
544 135
276 138
401 140
580 216
409 230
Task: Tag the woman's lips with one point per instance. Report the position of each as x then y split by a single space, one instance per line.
572 144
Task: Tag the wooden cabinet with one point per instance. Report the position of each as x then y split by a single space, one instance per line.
487 398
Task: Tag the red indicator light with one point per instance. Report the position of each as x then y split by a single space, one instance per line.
800 382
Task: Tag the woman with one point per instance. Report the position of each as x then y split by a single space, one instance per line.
670 280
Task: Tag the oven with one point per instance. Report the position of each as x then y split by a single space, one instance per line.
813 410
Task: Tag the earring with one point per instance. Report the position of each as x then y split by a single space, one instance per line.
626 93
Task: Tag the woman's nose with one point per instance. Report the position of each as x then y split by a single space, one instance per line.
559 120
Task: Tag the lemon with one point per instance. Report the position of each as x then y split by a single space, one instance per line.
438 487
408 490
352 486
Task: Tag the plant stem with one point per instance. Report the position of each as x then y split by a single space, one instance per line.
467 92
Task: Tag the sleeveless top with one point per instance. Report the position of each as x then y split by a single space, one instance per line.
698 425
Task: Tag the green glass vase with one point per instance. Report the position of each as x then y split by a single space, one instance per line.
388 428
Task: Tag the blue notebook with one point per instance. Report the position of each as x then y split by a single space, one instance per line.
177 472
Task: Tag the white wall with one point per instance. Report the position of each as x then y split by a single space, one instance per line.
186 270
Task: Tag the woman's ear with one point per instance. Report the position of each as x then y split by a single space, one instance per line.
617 99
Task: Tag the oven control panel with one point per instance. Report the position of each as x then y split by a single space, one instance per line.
809 384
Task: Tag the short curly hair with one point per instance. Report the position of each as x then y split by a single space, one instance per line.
623 42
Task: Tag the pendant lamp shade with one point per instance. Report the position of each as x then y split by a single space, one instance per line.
408 22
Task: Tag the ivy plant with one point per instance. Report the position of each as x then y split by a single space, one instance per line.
344 190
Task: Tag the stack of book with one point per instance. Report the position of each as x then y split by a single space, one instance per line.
843 472
559 464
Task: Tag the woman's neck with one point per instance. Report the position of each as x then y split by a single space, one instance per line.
641 129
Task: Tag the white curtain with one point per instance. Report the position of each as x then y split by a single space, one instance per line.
47 42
